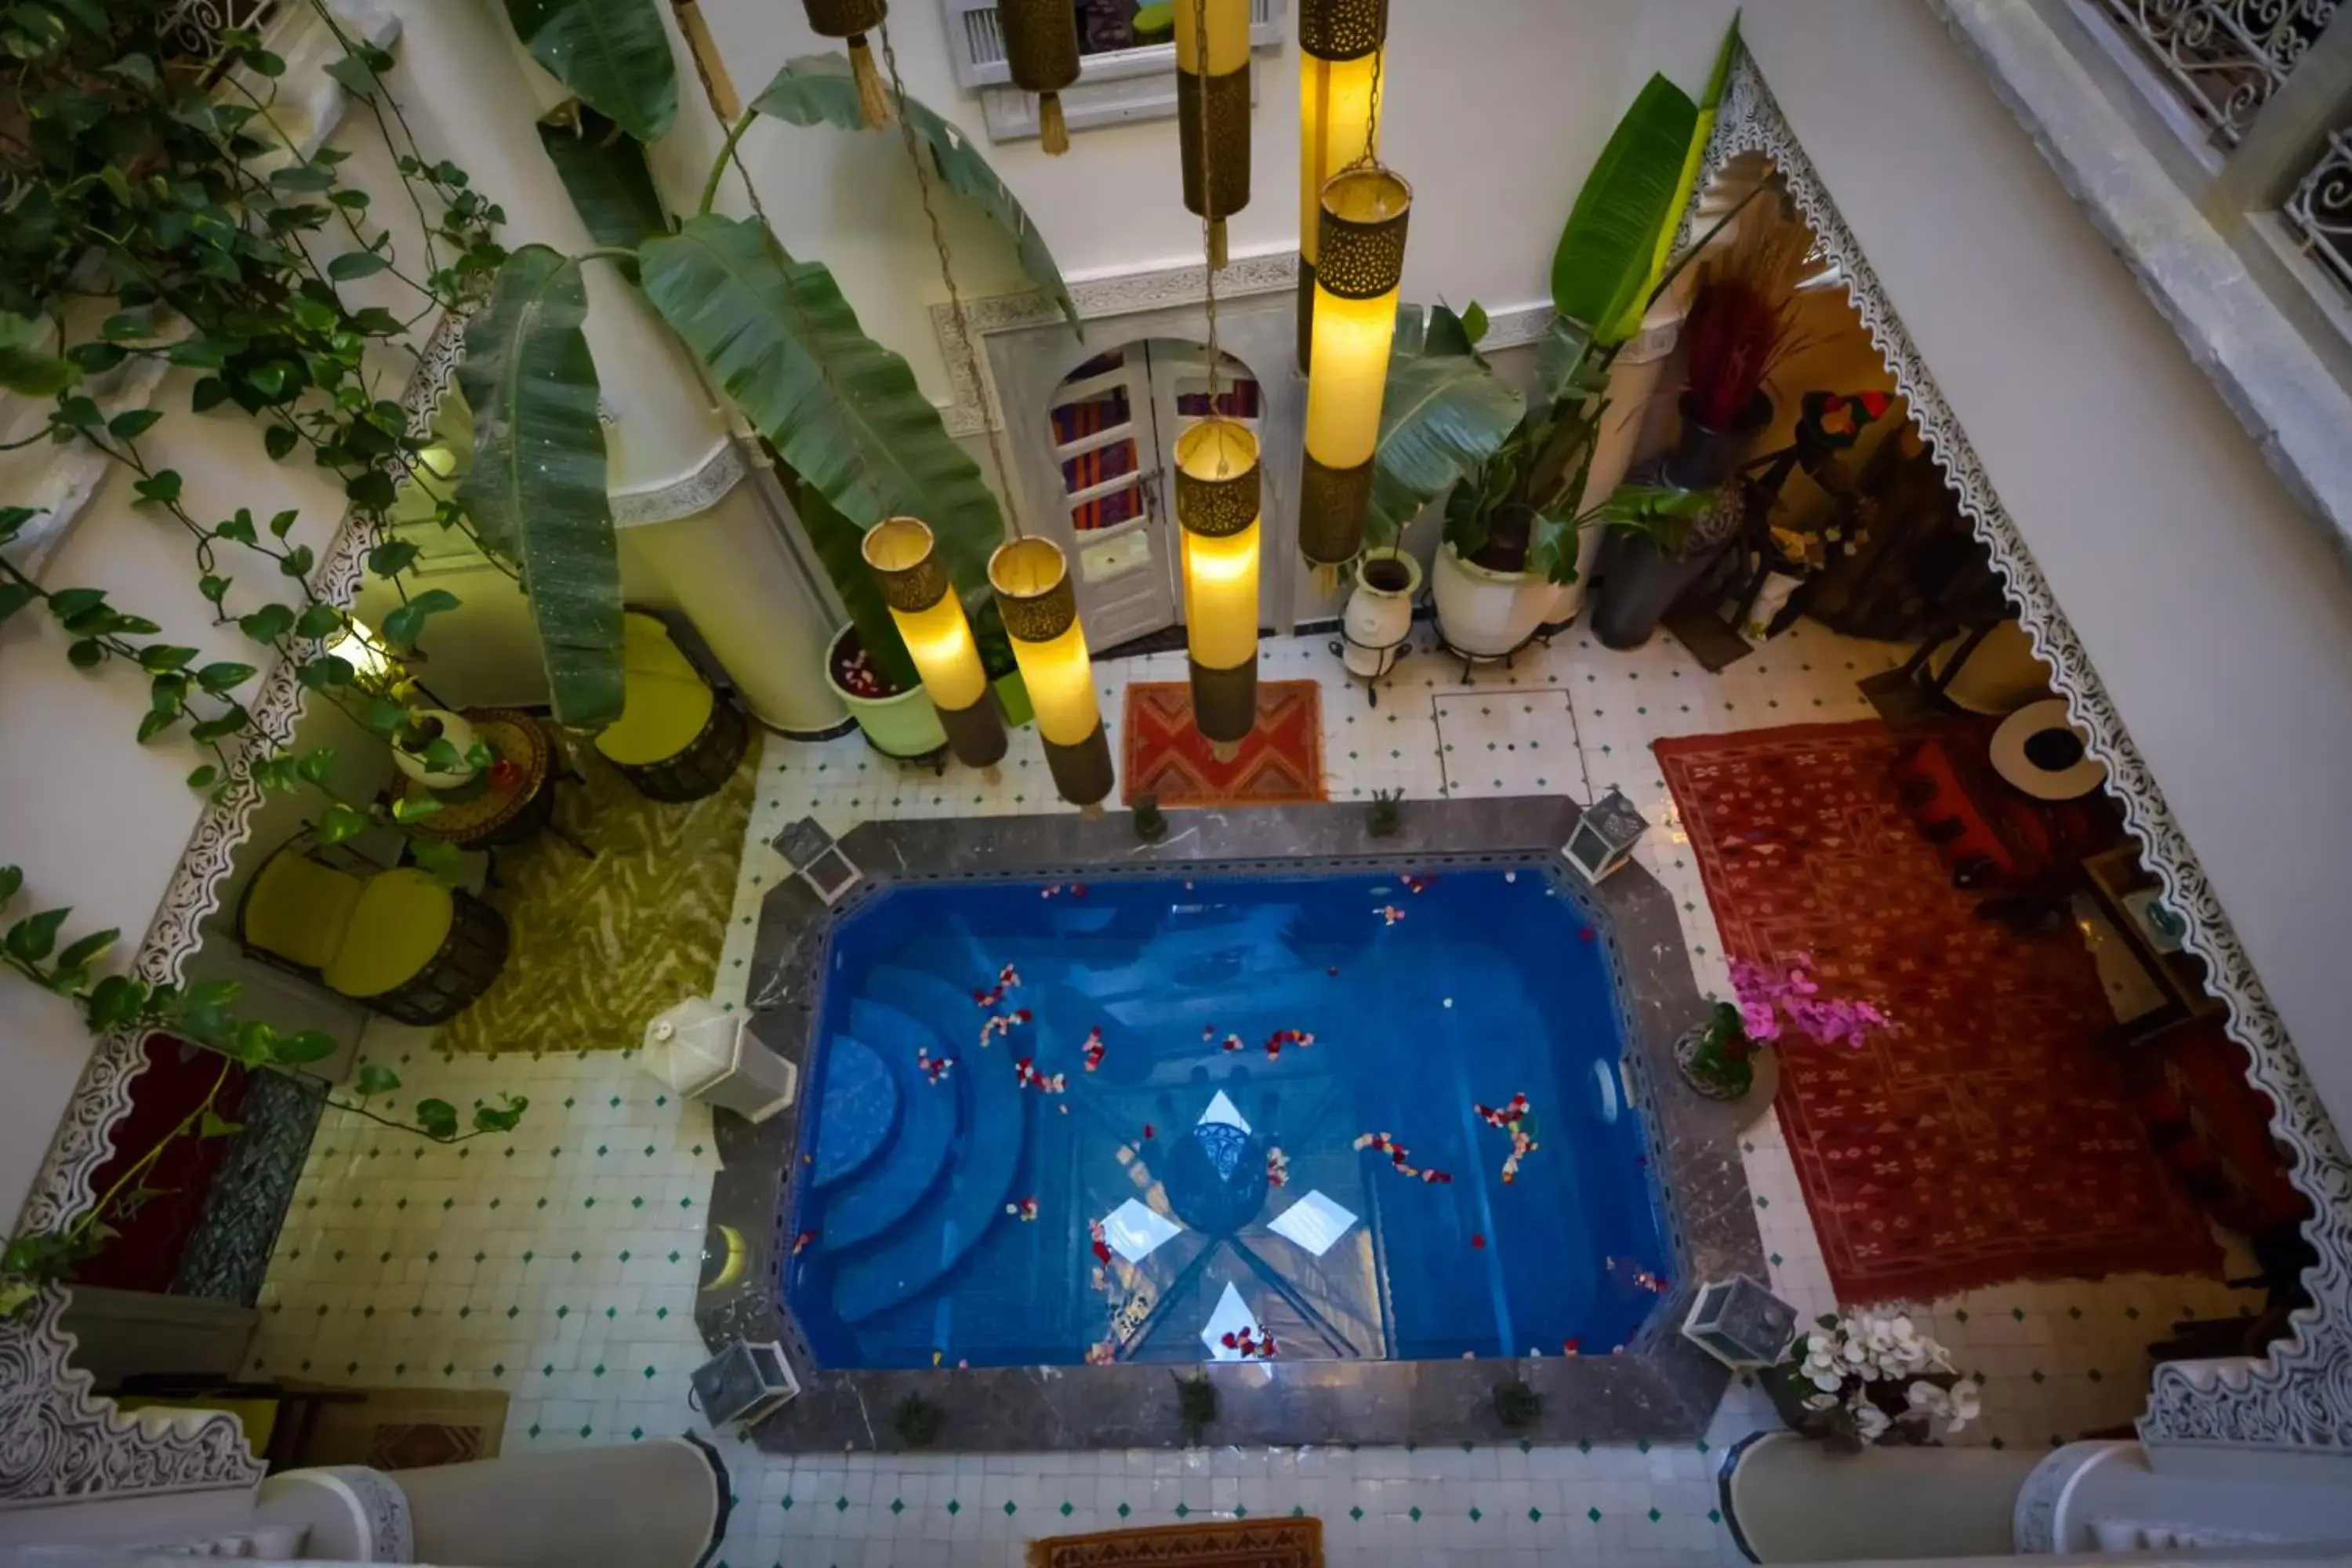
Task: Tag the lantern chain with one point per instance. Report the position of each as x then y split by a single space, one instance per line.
1208 200
959 322
1370 156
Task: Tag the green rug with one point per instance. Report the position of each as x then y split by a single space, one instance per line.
601 946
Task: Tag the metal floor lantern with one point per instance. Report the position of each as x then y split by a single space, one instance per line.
1340 48
1040 608
1740 1323
1217 506
1359 265
1041 47
1604 836
1212 111
904 558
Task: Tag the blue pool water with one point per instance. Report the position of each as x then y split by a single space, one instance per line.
909 1214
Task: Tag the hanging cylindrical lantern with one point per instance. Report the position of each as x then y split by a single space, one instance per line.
851 20
937 635
1212 110
1041 45
1359 262
1339 45
1217 507
1040 620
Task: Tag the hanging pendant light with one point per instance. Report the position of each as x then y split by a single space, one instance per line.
1359 262
1041 45
1040 620
905 561
1212 111
1217 507
1339 45
851 20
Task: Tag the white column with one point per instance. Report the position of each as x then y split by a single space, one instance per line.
1632 388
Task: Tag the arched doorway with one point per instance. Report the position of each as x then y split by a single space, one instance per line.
1110 426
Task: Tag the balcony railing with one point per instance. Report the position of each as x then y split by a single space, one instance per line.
2320 211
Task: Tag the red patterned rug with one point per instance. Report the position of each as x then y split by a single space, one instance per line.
1280 762
1984 1137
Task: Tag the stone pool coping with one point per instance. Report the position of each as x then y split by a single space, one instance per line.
1661 1387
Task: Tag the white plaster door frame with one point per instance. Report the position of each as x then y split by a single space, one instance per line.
1031 353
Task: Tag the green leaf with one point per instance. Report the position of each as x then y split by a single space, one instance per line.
355 75
277 440
155 721
32 939
840 548
373 489
297 563
1473 322
327 672
372 1080
14 596
267 624
214 588
317 622
302 1048
222 677
1662 255
1442 416
88 653
438 1118
1603 263
405 626
862 434
819 88
536 487
168 692
221 728
439 858
239 528
356 264
214 1125
391 558
135 67
1563 368
115 1001
11 882
341 822
614 55
411 808
162 486
500 1117
603 171
28 367
81 953
157 658
316 765
13 519
132 423
203 777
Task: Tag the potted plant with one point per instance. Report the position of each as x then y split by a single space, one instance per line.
438 748
1379 616
1863 1381
1665 540
1724 1056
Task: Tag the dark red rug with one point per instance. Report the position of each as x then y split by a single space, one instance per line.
1280 762
1985 1137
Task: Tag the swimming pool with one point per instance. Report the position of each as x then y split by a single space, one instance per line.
1158 1118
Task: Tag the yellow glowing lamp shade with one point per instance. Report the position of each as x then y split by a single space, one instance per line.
1227 25
1032 587
1360 267
1335 128
930 618
1217 506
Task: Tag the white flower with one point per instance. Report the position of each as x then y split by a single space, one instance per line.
1820 1401
1856 1351
1926 1401
1966 1407
1869 1420
1829 1382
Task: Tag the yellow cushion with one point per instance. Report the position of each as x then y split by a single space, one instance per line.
299 909
400 922
664 701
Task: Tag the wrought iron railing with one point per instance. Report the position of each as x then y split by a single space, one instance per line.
2320 210
2225 58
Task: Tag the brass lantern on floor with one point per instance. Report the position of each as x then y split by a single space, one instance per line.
1041 45
1339 45
931 622
1359 262
850 21
1212 111
1217 508
1040 620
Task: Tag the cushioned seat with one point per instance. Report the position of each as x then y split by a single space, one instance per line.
395 941
677 739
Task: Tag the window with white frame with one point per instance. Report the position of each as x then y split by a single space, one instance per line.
1127 68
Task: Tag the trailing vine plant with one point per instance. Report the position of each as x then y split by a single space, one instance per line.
156 210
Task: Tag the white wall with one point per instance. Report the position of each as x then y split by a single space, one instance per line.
2214 613
1495 111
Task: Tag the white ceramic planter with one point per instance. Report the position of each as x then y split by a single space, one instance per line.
1485 612
905 726
455 731
1632 386
1378 618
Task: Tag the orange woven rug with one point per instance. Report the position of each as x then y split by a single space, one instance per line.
1984 1136
1237 1544
1280 762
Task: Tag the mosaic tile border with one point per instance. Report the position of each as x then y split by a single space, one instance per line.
1660 1388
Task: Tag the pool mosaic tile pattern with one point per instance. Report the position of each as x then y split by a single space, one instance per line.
561 1265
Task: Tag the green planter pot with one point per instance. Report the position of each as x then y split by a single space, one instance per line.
906 726
1013 696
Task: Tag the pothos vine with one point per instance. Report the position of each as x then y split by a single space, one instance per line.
157 209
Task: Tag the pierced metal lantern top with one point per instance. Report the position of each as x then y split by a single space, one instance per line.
845 18
1741 1322
1360 242
1616 821
1217 489
905 560
1032 589
1342 29
801 842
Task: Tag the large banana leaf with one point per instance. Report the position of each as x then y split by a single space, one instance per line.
603 171
1629 321
1602 266
612 55
818 89
1442 416
843 410
536 491
1563 367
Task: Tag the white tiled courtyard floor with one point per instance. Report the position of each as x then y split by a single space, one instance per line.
560 1265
